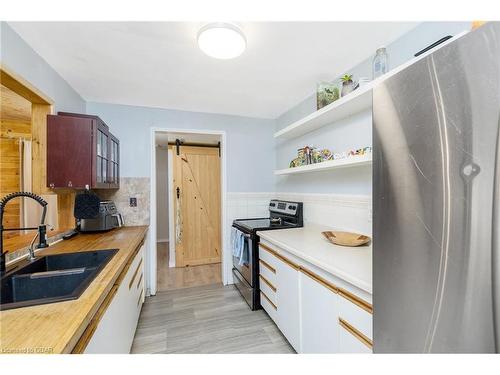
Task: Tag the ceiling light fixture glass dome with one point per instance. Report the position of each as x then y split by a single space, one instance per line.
222 40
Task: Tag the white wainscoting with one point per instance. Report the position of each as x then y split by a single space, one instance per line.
243 206
342 212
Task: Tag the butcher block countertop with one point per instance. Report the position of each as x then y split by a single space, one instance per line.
57 327
351 264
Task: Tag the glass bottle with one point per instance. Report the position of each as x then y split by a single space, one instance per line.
380 62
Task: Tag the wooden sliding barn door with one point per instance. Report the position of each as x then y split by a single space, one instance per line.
197 209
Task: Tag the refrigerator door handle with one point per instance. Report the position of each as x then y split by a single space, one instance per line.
495 248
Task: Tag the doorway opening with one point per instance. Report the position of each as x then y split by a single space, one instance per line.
189 200
23 167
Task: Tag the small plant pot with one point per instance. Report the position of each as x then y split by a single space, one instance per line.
347 87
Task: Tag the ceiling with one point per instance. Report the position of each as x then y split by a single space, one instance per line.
158 64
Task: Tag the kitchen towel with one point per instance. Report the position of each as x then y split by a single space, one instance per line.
239 246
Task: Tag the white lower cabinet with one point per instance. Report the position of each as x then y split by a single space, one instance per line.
116 329
313 313
318 305
288 312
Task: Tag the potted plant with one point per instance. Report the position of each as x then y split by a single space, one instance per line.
348 84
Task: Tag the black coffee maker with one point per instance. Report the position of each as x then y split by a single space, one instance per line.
95 215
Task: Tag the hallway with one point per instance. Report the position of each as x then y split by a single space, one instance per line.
170 278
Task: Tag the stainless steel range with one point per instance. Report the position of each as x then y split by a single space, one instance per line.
282 215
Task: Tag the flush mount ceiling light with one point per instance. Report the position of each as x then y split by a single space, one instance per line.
221 40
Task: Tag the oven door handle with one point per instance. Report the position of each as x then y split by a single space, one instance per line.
246 235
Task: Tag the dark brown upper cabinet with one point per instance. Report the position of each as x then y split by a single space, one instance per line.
81 152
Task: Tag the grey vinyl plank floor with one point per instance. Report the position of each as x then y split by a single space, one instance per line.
205 319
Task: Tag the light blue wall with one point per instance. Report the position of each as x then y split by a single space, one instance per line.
354 132
17 56
250 142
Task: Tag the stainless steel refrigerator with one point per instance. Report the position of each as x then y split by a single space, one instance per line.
436 209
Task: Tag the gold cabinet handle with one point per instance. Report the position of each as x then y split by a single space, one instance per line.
264 263
140 298
279 256
268 300
319 279
356 300
353 331
135 274
268 283
139 282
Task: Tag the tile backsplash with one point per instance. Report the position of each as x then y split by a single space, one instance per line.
342 212
131 187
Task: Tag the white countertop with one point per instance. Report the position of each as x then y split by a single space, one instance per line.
351 264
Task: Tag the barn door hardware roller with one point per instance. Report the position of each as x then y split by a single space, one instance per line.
177 146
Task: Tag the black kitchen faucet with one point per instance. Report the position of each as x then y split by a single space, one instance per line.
42 228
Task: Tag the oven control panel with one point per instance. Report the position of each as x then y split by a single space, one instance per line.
283 207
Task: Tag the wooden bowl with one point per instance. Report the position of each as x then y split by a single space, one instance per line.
346 238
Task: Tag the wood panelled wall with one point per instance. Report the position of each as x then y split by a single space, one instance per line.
15 124
23 114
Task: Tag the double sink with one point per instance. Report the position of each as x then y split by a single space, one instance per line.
51 278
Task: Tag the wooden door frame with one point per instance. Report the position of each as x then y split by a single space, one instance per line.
41 106
226 259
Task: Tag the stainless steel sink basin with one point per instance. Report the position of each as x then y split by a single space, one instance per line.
52 278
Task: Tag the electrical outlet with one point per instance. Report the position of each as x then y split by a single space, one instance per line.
133 202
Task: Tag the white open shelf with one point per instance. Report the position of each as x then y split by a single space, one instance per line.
351 161
350 104
340 109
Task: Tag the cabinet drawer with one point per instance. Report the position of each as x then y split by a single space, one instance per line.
268 288
268 256
135 271
268 306
267 270
268 260
358 317
352 340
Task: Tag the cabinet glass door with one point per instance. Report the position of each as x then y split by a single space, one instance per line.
113 162
102 157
